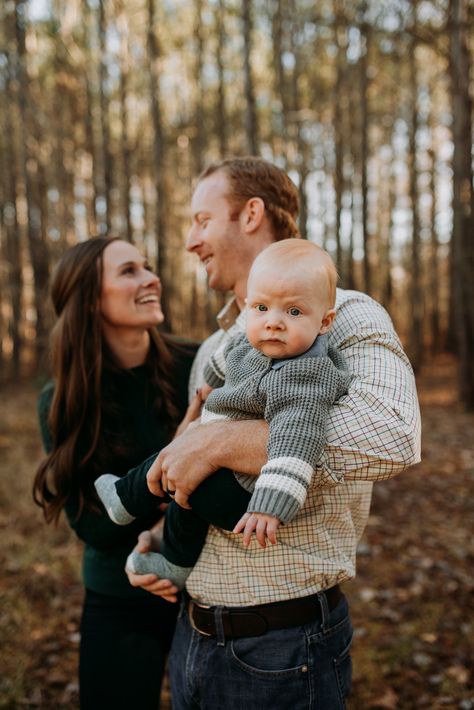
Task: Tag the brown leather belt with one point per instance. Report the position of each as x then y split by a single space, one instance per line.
243 621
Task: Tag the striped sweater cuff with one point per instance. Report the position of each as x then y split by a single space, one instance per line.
212 377
281 488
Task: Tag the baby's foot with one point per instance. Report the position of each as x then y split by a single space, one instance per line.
154 563
105 487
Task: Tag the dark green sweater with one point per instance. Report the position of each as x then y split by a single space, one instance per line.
144 432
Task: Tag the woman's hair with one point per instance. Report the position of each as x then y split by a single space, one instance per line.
254 177
80 357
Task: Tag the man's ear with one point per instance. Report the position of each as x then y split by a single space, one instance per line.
327 321
252 215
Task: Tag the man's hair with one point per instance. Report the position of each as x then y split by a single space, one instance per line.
254 177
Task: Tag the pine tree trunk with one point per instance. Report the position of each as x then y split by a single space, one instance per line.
280 119
221 113
124 137
364 148
198 140
29 162
12 244
463 198
339 98
434 275
251 123
104 118
159 159
416 291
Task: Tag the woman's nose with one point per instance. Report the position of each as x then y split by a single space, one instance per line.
151 279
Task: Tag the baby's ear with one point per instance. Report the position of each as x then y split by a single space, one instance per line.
327 321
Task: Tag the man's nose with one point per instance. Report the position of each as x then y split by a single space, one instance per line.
193 240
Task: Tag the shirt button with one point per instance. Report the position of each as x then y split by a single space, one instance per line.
304 669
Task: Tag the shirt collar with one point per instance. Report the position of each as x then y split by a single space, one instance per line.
228 315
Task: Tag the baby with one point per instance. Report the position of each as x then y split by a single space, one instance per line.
281 369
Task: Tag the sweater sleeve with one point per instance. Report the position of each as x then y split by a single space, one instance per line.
92 527
299 398
216 367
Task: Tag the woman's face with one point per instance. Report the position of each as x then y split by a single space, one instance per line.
130 297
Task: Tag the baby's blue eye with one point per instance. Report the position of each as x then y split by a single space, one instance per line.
294 312
261 307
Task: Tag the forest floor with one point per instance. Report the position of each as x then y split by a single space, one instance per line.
412 601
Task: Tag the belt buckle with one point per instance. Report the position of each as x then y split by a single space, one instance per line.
191 606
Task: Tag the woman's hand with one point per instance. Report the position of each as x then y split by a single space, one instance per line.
149 541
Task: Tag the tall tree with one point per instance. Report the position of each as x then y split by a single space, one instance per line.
340 101
221 113
30 167
198 140
280 85
124 137
90 143
12 245
433 270
463 197
416 289
107 168
251 123
365 32
298 113
159 154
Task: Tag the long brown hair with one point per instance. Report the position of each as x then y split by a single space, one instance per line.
254 177
79 358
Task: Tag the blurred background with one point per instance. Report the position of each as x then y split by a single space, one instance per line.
108 111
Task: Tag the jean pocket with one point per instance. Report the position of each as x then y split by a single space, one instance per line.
276 654
343 670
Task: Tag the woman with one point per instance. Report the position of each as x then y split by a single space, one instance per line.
119 391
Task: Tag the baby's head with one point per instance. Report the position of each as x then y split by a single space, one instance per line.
291 292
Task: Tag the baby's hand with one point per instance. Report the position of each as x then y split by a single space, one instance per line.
205 391
262 524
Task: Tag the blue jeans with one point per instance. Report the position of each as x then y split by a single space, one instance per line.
300 668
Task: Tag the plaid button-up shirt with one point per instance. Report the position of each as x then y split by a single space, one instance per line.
373 433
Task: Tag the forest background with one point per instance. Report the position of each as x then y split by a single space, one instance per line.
108 111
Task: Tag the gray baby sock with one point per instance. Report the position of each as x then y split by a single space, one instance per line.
105 487
154 563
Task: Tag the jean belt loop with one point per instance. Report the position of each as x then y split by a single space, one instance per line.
323 603
219 626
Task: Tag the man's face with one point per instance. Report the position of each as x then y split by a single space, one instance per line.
220 243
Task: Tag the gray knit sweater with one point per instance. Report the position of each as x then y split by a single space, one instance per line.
294 397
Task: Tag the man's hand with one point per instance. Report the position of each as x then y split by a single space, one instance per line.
203 448
263 525
149 541
182 465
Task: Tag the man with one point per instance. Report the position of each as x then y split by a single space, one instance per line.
270 628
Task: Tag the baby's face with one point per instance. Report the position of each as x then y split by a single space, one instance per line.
284 313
